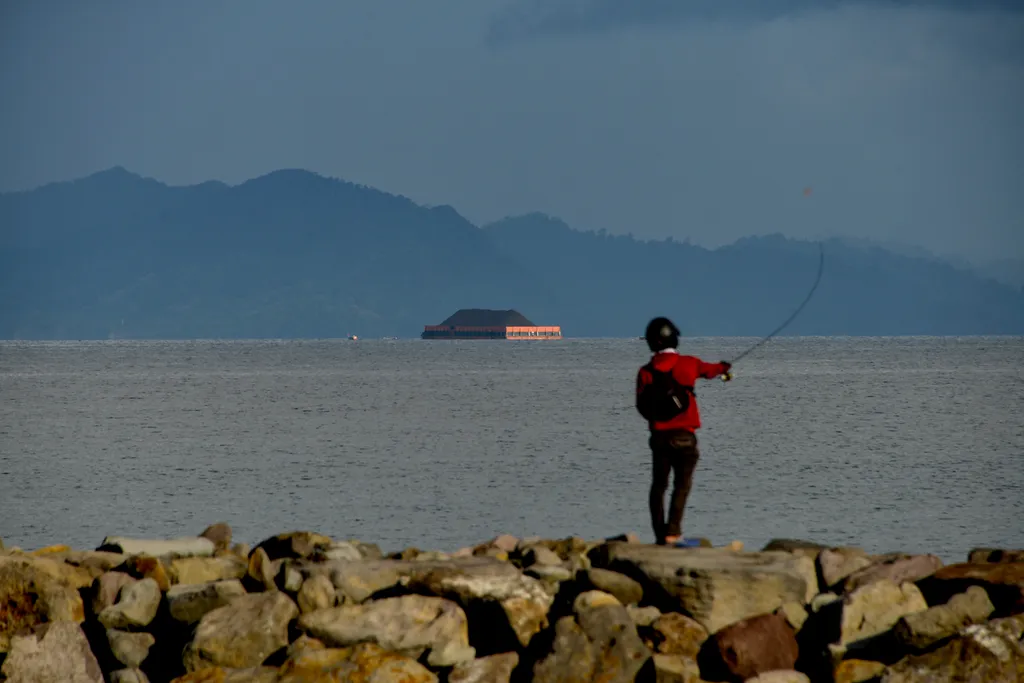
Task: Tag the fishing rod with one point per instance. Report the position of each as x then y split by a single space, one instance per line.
821 267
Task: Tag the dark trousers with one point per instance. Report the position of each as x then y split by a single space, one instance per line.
672 451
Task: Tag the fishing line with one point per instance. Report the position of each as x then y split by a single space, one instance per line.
817 280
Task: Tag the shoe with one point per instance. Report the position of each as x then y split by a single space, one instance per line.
686 543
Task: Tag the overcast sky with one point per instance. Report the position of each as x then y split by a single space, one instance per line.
656 117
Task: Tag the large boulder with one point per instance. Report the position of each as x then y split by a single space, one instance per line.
920 630
217 674
491 669
219 534
190 545
56 651
316 593
130 649
897 568
364 662
490 591
993 651
1003 581
192 570
242 633
675 634
295 545
717 587
135 608
869 611
410 625
357 580
189 603
34 591
751 647
572 658
625 589
985 555
835 564
619 651
105 590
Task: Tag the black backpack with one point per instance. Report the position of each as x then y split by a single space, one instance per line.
664 398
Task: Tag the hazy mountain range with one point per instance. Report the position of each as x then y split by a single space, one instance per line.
294 254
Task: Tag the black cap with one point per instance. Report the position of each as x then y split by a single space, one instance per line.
661 334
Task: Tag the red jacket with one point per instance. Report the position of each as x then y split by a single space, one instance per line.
686 370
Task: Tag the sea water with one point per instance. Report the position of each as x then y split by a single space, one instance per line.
910 444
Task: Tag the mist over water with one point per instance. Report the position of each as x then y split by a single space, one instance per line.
912 444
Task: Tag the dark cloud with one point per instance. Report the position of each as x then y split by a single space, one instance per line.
523 19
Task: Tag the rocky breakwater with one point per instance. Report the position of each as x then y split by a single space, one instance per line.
301 606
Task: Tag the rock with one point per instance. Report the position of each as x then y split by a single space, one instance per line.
790 545
780 677
128 676
190 545
135 608
676 634
410 625
619 652
304 642
147 567
549 573
106 588
751 647
219 534
94 562
675 669
716 586
857 671
870 611
621 586
984 555
290 578
342 550
504 542
921 630
628 537
192 570
364 662
795 615
823 600
294 544
316 593
254 674
835 564
492 669
55 651
541 555
643 616
1003 581
983 652
33 592
572 658
518 604
356 582
242 633
189 603
261 571
896 569
131 649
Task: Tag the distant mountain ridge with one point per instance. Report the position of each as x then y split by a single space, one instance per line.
295 254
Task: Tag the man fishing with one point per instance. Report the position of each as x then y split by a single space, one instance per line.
665 398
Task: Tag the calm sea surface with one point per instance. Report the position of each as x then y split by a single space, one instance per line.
914 444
